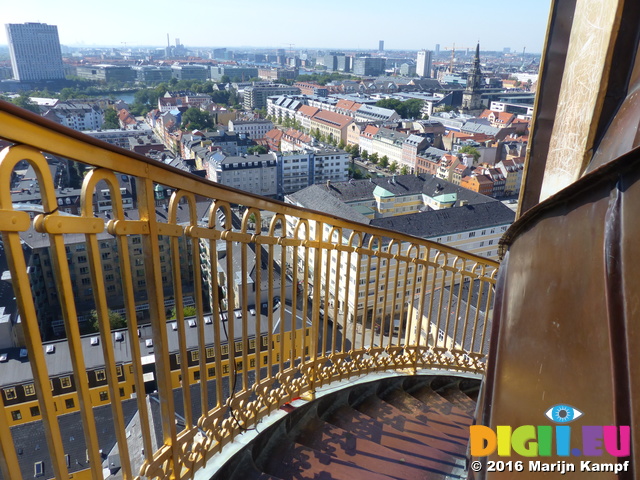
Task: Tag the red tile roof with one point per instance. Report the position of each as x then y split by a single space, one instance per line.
336 120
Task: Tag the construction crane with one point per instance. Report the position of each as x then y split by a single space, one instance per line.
453 55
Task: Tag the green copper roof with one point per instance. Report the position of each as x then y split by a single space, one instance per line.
446 198
381 192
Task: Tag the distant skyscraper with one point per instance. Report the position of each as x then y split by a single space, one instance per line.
437 48
423 66
35 52
381 45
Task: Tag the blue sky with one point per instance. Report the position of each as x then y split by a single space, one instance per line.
347 24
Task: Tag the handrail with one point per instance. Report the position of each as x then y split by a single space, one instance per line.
282 308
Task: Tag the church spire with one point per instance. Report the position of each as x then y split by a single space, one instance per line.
471 97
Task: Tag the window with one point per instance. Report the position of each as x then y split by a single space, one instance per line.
119 370
238 346
225 368
195 355
82 259
10 393
104 396
100 375
86 281
38 469
212 371
196 375
69 403
84 270
252 344
65 382
472 234
16 415
225 349
121 392
210 352
29 389
35 411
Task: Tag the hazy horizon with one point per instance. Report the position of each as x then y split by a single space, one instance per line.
496 24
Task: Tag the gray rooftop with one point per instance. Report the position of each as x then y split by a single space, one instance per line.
446 221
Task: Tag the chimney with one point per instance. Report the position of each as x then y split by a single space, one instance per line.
464 203
329 184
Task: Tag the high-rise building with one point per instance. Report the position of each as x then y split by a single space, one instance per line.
437 48
381 45
369 66
423 67
35 52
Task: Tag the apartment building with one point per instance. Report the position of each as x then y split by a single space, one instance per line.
77 115
332 125
276 174
256 96
253 129
454 216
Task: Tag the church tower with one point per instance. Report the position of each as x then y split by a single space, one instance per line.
471 95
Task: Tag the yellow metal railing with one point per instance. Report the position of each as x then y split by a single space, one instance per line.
286 300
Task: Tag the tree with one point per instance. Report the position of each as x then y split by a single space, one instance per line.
341 145
196 119
364 155
374 157
225 79
412 108
393 167
115 320
257 149
469 150
23 101
189 311
384 161
392 104
404 170
110 119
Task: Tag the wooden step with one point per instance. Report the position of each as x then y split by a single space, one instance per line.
367 428
453 393
300 462
444 406
382 411
335 441
425 413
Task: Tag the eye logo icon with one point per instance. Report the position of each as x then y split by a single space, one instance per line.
563 413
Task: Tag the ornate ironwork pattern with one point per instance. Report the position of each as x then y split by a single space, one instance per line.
318 299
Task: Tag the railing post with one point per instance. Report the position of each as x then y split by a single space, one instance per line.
315 311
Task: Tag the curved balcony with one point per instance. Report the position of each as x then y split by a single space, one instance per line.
272 302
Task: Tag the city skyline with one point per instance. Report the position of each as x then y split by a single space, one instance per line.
418 26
